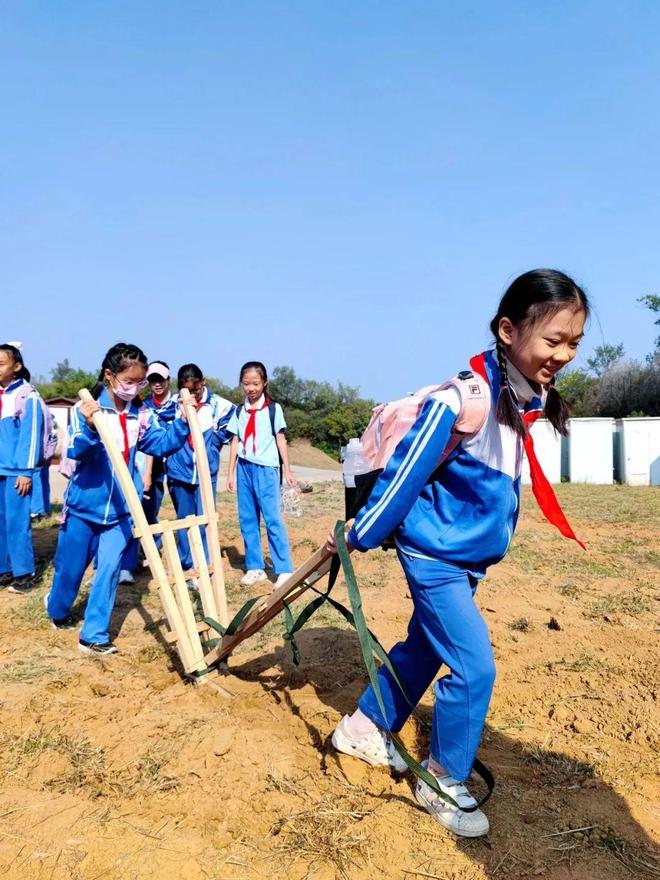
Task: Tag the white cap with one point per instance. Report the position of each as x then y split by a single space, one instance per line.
158 369
18 345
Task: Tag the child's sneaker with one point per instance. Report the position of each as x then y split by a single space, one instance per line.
21 585
463 824
253 576
6 578
62 623
282 579
376 748
126 576
96 647
191 580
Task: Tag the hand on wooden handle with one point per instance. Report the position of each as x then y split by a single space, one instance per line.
88 407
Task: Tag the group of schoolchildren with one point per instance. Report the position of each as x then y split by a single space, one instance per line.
157 447
450 521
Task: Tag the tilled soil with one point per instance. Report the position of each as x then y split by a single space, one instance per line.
119 768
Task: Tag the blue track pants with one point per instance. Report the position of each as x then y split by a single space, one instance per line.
79 540
40 505
16 548
187 500
151 505
258 489
446 628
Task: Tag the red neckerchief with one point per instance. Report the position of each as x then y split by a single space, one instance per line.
2 391
198 406
123 416
160 402
251 427
543 491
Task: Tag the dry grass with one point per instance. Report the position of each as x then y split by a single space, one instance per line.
557 769
631 603
328 833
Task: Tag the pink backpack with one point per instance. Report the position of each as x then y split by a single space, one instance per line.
49 437
391 421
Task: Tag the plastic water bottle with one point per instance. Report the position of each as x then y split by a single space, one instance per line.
354 463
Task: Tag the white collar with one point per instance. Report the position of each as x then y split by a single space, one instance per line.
257 404
521 385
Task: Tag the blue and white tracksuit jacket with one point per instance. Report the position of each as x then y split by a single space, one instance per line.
21 448
97 518
181 468
153 499
449 523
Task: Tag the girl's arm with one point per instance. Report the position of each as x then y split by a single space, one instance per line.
157 440
231 475
147 475
398 487
280 439
221 434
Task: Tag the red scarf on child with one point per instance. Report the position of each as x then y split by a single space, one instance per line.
251 427
543 491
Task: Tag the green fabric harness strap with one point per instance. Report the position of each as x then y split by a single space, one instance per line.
236 620
367 655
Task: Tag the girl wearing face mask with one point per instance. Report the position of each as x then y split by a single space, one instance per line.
96 516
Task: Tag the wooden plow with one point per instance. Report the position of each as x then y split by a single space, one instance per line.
196 641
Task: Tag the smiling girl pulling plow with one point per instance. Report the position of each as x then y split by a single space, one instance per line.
450 522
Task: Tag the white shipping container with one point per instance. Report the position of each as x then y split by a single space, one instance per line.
638 451
547 445
591 451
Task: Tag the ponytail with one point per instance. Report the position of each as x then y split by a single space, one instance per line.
557 411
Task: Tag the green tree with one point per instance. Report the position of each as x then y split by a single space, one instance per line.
604 357
652 302
66 381
579 390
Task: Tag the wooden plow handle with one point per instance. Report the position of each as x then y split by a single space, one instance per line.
191 658
217 580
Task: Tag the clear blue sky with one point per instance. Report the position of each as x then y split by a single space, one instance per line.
345 187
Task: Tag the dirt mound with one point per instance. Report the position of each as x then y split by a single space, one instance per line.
303 454
116 769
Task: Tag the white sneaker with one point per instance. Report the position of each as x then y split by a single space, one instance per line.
253 576
463 824
376 748
126 577
282 579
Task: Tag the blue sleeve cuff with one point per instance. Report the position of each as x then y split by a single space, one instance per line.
352 539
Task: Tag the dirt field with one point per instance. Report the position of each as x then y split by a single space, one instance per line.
117 768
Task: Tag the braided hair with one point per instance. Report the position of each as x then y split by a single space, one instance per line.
533 296
116 359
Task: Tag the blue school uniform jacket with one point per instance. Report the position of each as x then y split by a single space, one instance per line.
93 492
21 435
165 413
213 415
465 511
